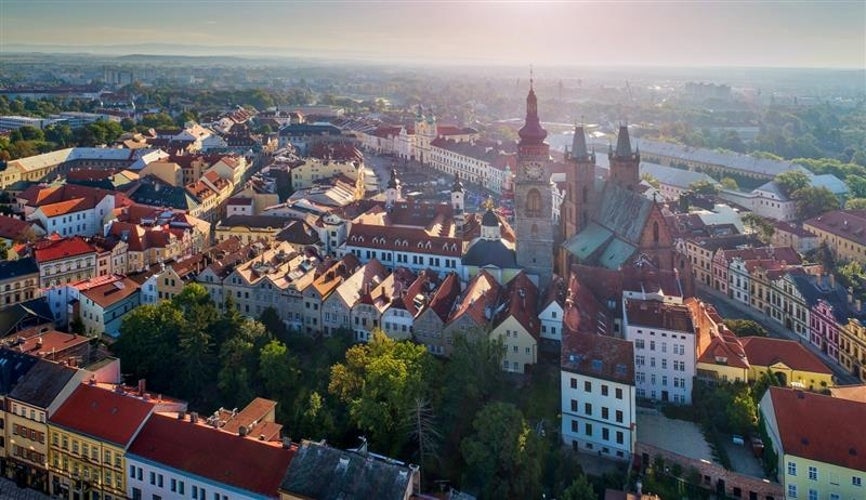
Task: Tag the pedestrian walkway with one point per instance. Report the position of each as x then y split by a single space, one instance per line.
729 308
10 491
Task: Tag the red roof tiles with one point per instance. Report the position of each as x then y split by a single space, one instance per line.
248 464
102 414
53 249
765 351
820 428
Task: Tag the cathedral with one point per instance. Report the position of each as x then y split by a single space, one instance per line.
604 222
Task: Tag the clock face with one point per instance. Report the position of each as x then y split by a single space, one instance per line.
534 171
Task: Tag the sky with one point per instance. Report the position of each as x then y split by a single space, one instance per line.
556 33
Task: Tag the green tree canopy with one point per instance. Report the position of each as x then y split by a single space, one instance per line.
503 454
814 201
792 180
379 382
746 328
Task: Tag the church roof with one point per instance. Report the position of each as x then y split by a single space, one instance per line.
490 253
623 142
578 144
489 219
624 212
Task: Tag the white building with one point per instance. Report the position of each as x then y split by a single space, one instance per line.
664 349
551 310
598 395
82 216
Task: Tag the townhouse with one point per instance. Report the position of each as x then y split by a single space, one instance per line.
471 315
19 281
435 312
337 307
321 288
101 308
64 260
813 462
371 305
398 319
36 397
515 323
791 363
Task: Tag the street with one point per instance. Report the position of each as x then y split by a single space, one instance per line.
731 309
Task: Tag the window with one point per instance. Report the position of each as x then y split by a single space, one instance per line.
618 393
605 434
619 416
792 469
856 481
587 386
153 478
638 344
574 383
587 408
587 429
159 480
604 390
813 494
194 491
813 473
619 437
574 405
604 413
180 486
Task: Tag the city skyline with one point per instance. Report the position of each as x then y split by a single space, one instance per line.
767 34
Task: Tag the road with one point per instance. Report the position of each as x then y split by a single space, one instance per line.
728 308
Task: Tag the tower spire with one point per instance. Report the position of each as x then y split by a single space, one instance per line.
531 79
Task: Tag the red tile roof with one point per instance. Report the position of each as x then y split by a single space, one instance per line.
765 351
522 301
481 293
445 296
54 249
248 464
820 428
599 356
654 314
12 228
111 293
102 414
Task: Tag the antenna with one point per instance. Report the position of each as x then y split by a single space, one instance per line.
531 79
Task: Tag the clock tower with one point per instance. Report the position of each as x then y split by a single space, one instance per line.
533 198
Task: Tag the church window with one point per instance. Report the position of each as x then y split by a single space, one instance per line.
585 194
533 203
656 232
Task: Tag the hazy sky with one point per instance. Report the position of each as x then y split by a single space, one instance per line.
789 33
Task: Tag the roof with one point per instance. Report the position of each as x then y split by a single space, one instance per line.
43 383
521 301
654 314
248 464
111 293
299 233
319 471
12 228
13 367
479 299
33 312
254 221
846 224
850 392
802 419
445 296
483 252
50 250
765 351
102 414
10 269
673 176
598 356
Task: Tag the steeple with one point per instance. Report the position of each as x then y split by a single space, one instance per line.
457 187
393 182
532 133
578 144
623 143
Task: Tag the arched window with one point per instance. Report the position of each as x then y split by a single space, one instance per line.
585 194
656 232
533 203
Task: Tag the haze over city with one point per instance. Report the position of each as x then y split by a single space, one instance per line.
771 34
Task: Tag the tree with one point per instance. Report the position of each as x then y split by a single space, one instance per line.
580 489
502 455
704 187
271 319
157 120
792 180
814 201
760 225
729 183
278 371
855 204
857 185
652 181
148 336
746 328
379 381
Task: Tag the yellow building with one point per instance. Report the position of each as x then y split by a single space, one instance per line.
724 360
167 171
818 440
35 398
250 228
19 281
844 232
88 437
517 325
852 347
792 363
314 170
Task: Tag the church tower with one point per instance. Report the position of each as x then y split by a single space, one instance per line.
624 163
457 205
580 195
533 197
